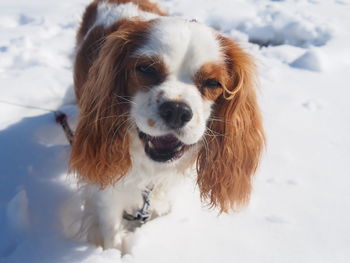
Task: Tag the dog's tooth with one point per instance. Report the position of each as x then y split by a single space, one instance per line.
150 144
179 148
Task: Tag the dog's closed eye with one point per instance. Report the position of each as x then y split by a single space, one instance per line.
146 69
211 84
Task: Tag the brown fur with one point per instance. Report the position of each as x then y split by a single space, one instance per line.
86 56
141 81
232 150
100 151
90 47
89 16
211 71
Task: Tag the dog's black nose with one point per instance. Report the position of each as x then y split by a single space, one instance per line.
175 114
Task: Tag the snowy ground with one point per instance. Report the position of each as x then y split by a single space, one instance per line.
299 211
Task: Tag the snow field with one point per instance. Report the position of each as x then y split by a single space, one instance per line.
299 208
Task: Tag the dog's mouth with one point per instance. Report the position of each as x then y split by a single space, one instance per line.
165 148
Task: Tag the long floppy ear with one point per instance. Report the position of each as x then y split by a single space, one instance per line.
234 148
100 151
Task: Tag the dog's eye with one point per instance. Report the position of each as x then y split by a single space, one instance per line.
211 84
146 69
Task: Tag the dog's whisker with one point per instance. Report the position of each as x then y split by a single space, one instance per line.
114 116
218 120
106 118
119 127
124 98
87 115
206 147
131 125
214 133
116 120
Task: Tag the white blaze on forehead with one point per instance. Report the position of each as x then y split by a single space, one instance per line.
109 13
184 46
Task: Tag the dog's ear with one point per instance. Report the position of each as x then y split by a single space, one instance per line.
100 151
236 139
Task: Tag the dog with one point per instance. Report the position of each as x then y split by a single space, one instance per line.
159 97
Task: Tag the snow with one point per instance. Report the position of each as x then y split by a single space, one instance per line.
309 60
299 210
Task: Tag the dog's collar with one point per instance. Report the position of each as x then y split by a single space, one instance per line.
143 214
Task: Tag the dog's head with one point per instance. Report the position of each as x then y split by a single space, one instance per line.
181 88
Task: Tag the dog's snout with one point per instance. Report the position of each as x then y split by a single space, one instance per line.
175 114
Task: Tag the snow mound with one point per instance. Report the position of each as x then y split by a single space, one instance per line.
17 211
273 26
310 60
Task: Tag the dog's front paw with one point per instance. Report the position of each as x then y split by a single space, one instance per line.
105 238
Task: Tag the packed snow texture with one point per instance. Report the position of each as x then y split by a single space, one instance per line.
299 210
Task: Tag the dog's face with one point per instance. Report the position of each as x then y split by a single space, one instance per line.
178 84
176 75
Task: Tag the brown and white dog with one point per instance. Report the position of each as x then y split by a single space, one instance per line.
159 95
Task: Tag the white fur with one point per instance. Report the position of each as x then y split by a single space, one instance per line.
108 14
184 47
100 219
